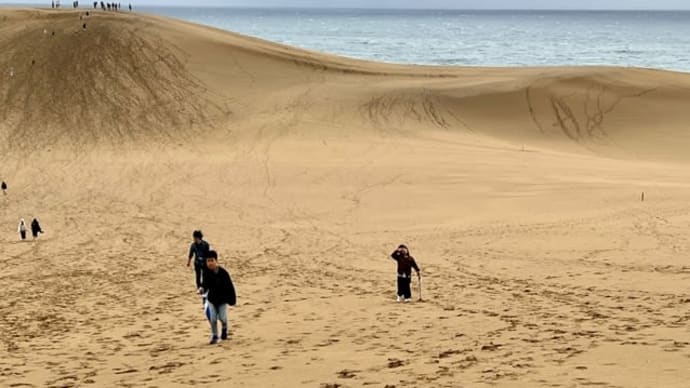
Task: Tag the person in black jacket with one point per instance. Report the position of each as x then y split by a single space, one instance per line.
198 250
220 292
35 228
405 265
4 187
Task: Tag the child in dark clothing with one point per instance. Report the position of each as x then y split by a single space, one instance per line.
198 251
220 292
405 265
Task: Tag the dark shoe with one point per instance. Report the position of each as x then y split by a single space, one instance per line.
214 340
224 334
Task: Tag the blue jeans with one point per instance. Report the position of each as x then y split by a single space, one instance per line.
219 312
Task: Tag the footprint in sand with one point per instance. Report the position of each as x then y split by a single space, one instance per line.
347 374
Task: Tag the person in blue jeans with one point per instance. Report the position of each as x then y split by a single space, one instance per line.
220 293
198 250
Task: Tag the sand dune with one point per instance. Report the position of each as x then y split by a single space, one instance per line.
518 190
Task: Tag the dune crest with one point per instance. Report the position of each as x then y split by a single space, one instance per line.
131 77
127 77
73 79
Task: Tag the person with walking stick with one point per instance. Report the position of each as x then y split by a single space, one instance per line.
406 264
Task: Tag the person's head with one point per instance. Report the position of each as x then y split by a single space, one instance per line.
198 236
212 260
403 249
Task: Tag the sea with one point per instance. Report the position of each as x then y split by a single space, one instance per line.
648 39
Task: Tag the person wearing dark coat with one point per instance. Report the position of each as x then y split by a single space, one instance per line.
405 265
35 228
4 187
220 292
198 250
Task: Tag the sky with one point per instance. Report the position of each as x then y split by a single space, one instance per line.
440 4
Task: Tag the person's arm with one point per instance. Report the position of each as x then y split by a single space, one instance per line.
395 255
230 288
416 268
191 254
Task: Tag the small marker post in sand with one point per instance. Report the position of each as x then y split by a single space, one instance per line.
642 197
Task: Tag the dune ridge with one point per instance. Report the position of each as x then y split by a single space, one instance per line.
132 77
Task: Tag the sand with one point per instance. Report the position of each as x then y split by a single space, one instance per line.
517 190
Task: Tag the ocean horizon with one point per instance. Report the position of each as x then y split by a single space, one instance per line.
491 38
647 39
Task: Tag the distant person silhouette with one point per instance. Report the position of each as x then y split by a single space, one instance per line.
22 229
35 228
4 187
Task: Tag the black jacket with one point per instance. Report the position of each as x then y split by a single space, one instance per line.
36 227
405 264
219 287
200 251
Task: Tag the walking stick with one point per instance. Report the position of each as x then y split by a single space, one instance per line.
419 277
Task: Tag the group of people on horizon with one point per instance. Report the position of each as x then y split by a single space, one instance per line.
110 6
55 4
215 285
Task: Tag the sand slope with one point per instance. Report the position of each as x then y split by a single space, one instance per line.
518 191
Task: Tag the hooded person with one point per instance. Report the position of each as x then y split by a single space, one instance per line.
4 187
35 228
405 265
21 228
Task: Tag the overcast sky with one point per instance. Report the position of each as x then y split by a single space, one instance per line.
472 4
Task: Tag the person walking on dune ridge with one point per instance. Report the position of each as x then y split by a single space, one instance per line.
22 229
405 265
199 251
4 187
220 292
